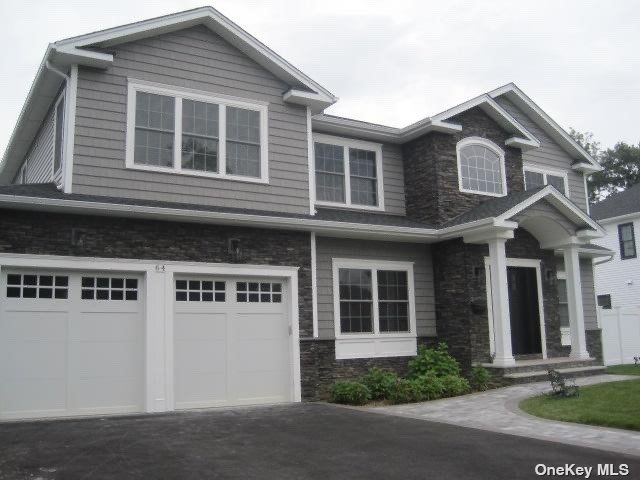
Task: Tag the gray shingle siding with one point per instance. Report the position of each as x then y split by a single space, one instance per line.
549 155
420 255
198 59
39 159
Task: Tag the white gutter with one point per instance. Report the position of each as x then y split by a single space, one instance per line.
271 221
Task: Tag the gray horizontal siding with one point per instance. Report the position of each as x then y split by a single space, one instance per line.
39 160
549 155
330 248
393 179
588 294
543 209
198 59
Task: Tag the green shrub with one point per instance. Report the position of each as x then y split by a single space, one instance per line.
436 360
406 391
429 386
350 392
480 377
455 385
381 383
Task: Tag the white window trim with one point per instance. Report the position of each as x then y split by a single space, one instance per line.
490 145
347 143
547 171
374 266
223 101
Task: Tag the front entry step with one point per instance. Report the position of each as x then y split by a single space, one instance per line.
542 375
533 365
536 370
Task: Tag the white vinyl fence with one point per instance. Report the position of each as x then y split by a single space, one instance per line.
620 334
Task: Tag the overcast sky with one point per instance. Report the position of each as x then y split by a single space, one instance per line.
394 62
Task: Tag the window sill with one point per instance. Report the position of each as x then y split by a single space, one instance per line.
376 346
195 173
486 194
344 206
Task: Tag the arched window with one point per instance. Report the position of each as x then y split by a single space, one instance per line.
481 167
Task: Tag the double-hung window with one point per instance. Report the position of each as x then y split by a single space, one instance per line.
195 133
535 177
373 302
348 173
627 238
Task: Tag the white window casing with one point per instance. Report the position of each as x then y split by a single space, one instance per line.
375 344
222 101
547 171
488 144
347 144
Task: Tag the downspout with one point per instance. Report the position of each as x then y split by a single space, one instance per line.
67 79
50 66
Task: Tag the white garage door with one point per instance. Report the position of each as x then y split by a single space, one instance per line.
232 344
72 343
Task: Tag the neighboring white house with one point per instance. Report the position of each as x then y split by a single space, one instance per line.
617 281
619 278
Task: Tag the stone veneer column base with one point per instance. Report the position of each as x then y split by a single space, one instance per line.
594 344
319 367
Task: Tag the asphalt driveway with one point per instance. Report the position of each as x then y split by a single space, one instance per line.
281 442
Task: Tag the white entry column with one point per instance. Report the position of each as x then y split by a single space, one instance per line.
574 297
500 296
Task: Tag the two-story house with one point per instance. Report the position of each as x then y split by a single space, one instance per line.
181 225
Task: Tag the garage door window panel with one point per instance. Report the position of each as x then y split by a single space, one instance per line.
194 290
37 286
258 292
109 288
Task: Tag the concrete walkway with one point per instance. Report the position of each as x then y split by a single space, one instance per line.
497 411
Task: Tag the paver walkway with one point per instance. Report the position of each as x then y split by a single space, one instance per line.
497 411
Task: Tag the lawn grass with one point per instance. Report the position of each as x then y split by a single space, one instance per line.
629 369
613 404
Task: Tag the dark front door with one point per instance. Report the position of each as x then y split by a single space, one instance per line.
524 312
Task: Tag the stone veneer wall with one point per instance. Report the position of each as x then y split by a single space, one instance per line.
319 367
431 184
461 296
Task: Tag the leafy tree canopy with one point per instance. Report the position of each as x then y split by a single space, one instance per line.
621 165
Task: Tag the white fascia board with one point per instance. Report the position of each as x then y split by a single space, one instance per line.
74 56
317 102
620 218
215 21
522 143
522 101
586 167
